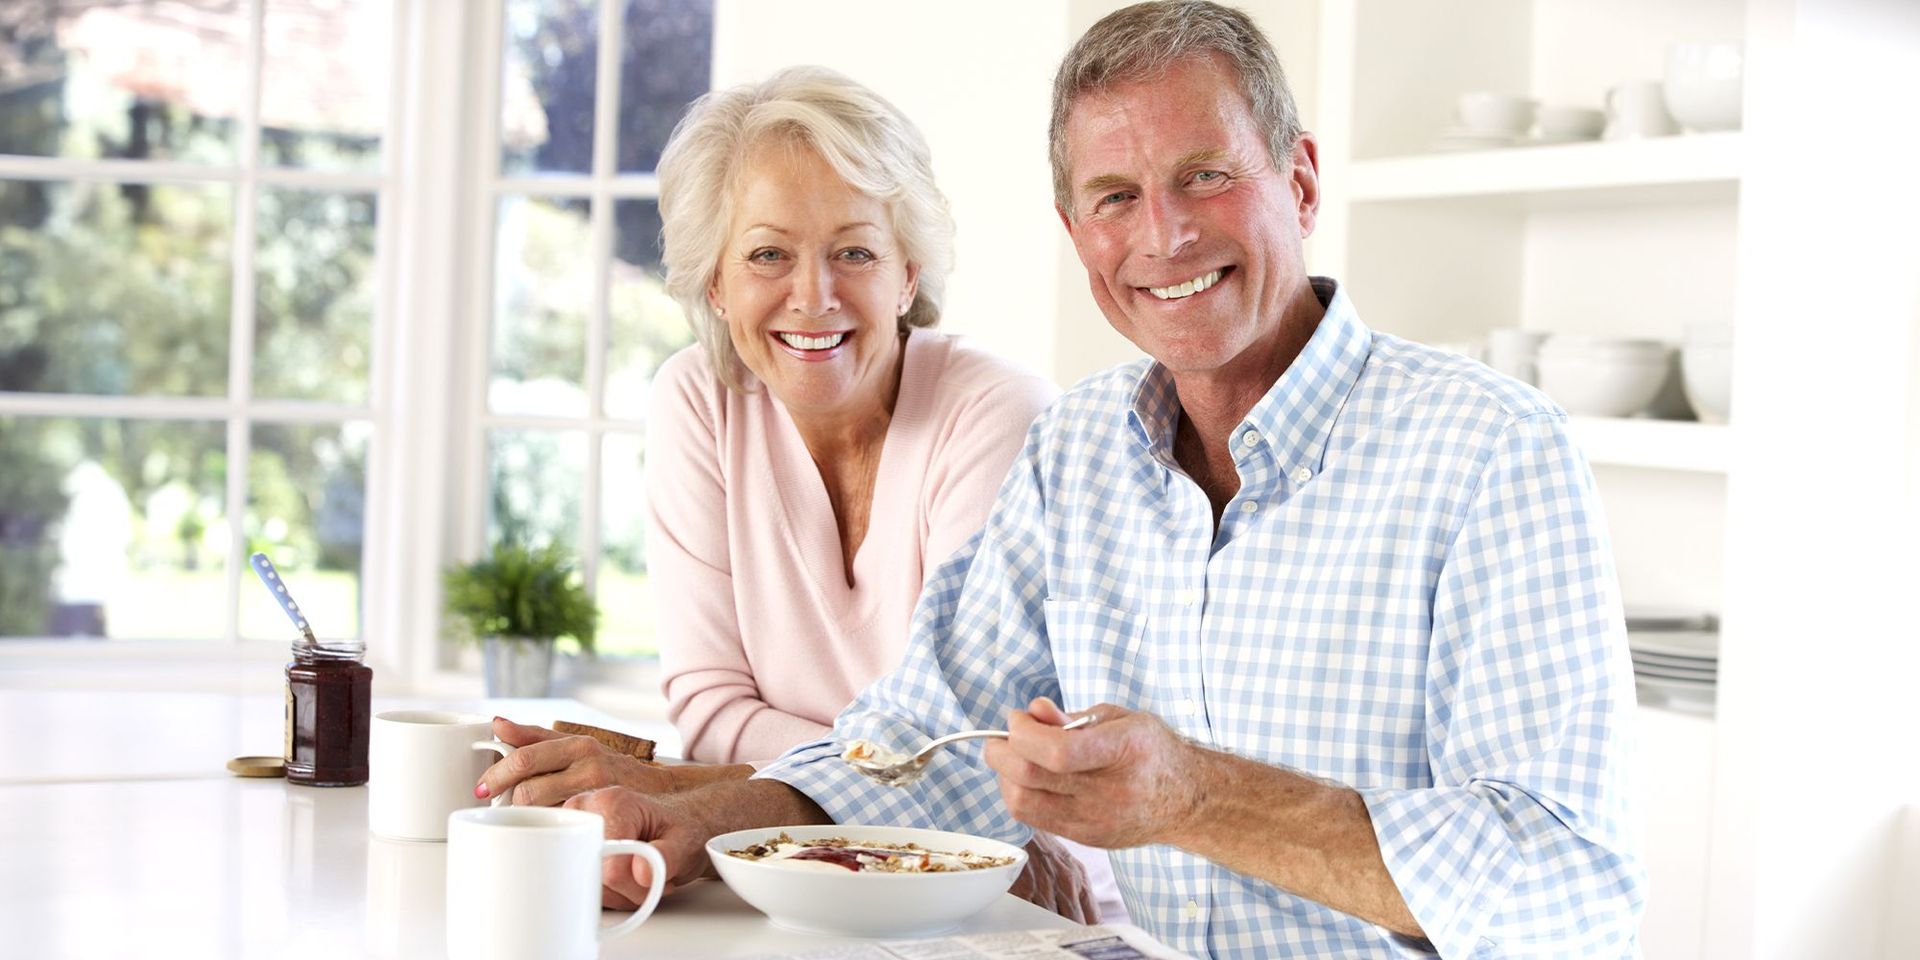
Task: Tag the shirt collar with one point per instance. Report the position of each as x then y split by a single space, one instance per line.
1297 414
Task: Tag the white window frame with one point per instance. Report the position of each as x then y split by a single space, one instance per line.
200 664
437 192
624 685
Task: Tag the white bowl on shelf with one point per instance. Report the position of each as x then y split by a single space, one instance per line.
1602 376
1702 85
1501 114
1706 371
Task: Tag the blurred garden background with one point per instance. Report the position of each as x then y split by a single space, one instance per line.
121 515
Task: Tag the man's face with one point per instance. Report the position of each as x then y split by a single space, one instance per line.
1190 236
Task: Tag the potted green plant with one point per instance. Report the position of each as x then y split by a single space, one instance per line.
518 601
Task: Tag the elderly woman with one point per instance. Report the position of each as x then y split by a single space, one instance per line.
819 451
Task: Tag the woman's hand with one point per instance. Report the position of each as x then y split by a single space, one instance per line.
1055 880
548 767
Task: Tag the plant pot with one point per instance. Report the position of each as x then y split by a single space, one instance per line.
517 666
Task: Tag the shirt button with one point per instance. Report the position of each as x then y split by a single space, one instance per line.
1187 597
1249 506
1189 707
1302 475
1250 439
1191 911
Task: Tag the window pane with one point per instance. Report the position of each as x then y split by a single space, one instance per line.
667 61
533 489
323 91
114 288
543 285
546 85
306 508
626 601
142 81
314 329
645 326
112 528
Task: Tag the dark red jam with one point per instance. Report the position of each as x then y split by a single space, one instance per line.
329 715
848 857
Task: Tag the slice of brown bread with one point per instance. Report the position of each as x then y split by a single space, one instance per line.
638 748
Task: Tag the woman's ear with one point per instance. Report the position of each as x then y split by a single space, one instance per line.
713 298
911 290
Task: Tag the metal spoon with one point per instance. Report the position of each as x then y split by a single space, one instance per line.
895 770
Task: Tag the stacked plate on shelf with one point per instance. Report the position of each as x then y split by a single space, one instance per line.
1676 658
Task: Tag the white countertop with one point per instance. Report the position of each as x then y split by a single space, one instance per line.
118 735
151 849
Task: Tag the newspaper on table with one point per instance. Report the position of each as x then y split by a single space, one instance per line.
1117 941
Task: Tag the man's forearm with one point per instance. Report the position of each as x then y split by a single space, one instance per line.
731 805
1310 838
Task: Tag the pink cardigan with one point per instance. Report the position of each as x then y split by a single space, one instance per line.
761 641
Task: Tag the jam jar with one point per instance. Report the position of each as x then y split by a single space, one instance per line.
329 714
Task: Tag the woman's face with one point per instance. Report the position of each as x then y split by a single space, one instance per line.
811 283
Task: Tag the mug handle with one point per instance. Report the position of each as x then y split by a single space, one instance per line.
644 850
503 750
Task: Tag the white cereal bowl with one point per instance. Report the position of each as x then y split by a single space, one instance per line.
1603 378
850 904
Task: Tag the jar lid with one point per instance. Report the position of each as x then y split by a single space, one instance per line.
258 766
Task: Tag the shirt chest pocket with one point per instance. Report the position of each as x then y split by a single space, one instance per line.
1097 653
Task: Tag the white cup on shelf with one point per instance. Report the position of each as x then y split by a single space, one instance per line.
1513 351
1638 108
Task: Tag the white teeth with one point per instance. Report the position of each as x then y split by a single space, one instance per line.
799 342
1187 289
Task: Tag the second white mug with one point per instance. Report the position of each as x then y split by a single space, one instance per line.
524 882
422 766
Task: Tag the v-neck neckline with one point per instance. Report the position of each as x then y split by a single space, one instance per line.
808 516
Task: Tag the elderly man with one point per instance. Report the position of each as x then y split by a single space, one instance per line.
1341 603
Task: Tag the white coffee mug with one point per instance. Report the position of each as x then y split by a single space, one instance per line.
422 765
1514 352
524 882
1639 109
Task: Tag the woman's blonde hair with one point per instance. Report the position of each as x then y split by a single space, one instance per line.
865 139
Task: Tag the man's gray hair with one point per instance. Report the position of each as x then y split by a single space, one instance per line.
865 139
1141 41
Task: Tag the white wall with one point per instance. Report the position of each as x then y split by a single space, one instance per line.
977 78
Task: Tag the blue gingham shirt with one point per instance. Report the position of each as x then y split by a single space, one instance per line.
1411 594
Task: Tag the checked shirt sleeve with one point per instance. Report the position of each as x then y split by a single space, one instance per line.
977 650
1522 845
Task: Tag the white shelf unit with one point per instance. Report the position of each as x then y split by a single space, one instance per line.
1634 238
1655 444
1614 172
1795 522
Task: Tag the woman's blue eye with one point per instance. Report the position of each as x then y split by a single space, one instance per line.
858 254
764 255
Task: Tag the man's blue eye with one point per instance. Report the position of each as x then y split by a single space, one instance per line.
1208 175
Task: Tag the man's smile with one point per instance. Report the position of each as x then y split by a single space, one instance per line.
1188 288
